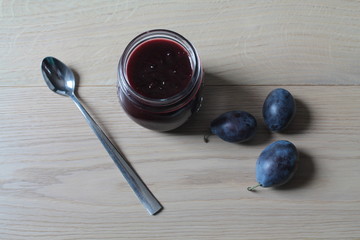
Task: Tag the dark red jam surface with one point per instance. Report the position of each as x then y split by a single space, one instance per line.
159 69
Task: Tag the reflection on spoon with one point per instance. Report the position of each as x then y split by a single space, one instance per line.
61 80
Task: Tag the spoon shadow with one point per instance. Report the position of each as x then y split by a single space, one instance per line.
94 116
76 78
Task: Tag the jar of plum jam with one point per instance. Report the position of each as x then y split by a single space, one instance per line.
160 78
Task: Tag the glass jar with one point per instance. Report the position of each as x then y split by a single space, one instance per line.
160 78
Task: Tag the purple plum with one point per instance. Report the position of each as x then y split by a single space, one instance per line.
276 164
234 126
278 109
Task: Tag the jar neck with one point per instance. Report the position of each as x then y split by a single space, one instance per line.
186 94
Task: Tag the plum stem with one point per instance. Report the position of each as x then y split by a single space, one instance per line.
207 135
253 187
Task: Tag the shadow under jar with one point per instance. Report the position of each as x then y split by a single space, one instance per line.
160 78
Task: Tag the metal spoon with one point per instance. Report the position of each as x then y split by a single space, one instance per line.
61 80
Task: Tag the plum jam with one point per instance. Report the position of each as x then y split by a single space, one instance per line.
159 80
159 69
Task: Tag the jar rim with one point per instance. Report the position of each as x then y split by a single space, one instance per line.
123 80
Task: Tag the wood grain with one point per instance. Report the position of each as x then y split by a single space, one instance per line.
57 182
247 42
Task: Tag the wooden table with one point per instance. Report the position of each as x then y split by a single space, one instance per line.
57 181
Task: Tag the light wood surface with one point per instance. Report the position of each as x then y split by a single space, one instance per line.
57 181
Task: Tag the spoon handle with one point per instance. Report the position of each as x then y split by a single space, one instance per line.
151 204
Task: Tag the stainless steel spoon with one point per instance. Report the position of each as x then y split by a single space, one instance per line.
61 80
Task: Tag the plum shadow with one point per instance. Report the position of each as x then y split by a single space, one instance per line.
200 122
302 119
304 175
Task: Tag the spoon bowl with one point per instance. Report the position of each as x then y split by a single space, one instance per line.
61 80
58 76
